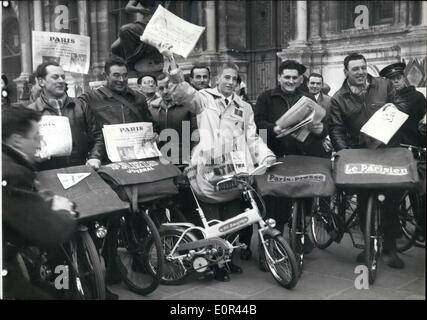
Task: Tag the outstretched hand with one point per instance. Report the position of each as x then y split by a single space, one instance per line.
165 50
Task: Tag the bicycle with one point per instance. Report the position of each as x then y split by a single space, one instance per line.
81 256
364 169
128 235
135 245
412 210
189 248
330 225
80 265
302 179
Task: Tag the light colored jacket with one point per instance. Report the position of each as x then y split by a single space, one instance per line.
222 128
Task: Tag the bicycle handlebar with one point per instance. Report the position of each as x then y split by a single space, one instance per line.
411 147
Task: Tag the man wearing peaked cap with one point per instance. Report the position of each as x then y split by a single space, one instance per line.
410 101
393 70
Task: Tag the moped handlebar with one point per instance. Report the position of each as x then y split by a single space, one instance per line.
243 177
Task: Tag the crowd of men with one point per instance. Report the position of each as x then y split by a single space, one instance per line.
219 115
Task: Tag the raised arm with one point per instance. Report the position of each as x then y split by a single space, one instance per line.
182 92
132 7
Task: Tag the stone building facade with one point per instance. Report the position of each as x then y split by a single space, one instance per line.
257 35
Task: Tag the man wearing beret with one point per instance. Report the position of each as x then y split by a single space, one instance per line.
410 101
270 106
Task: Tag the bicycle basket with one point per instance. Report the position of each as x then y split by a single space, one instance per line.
376 168
298 177
149 179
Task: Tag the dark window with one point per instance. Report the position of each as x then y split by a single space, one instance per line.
380 12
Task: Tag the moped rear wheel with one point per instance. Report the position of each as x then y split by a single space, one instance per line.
174 271
283 266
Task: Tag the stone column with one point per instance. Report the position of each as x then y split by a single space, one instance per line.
403 12
46 13
25 39
333 15
222 25
38 15
424 13
301 22
315 20
103 31
210 26
83 17
298 49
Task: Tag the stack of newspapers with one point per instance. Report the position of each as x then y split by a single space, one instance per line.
294 122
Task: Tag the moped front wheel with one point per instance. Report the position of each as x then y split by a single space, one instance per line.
282 263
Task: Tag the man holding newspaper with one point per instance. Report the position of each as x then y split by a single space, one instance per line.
356 109
294 124
227 132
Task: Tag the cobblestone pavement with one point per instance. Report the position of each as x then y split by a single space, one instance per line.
328 275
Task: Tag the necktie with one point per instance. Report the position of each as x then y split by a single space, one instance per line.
58 106
226 101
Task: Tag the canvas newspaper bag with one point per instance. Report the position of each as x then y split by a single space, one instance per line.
297 177
376 168
141 180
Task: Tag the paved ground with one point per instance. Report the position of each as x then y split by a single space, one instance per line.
328 275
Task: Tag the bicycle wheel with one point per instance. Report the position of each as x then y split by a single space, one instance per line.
131 254
408 222
420 239
174 271
297 232
87 274
283 266
372 237
322 226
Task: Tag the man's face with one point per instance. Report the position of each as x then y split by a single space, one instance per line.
163 88
148 85
227 81
398 81
315 85
200 78
289 80
54 83
29 142
357 72
117 79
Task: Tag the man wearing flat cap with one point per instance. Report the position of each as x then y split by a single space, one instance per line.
270 106
410 101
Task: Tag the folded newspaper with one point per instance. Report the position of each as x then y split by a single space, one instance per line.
383 125
130 141
295 120
50 128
